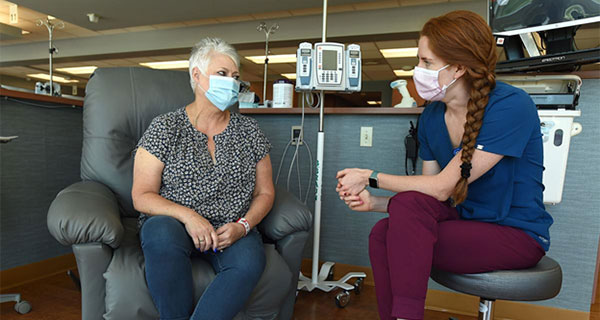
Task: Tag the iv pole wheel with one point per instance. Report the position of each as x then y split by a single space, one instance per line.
330 273
22 307
342 299
358 285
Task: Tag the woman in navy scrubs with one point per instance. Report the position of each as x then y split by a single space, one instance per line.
478 205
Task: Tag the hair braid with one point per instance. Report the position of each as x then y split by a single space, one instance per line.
482 83
464 38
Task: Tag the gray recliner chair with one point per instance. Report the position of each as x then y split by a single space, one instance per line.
96 216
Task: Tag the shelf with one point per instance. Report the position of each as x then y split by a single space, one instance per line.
39 97
370 111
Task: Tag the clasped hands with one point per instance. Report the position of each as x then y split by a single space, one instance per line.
205 236
351 188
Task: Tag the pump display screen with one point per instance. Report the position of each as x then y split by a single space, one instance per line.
305 52
354 54
329 60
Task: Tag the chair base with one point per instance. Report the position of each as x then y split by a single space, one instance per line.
21 306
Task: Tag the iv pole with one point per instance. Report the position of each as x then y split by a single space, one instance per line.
51 49
318 280
263 27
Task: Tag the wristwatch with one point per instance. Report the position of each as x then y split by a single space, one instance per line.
373 182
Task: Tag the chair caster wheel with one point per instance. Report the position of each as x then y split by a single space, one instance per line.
342 299
22 307
358 285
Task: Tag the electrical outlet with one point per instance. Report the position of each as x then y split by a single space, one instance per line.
296 130
366 136
13 14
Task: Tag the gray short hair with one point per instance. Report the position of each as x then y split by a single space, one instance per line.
203 51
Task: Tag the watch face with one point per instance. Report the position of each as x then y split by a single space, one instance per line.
373 183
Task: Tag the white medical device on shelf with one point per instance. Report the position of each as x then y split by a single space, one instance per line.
407 100
328 66
556 97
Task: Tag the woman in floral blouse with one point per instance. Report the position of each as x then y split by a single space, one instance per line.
203 181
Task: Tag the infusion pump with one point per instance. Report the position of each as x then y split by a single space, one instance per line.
328 66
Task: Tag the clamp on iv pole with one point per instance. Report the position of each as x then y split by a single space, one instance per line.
319 280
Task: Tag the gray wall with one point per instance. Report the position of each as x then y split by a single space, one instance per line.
46 157
33 168
344 233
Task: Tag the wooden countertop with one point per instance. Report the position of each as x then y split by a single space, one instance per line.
40 97
369 111
79 103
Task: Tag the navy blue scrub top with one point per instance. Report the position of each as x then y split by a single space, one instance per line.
510 193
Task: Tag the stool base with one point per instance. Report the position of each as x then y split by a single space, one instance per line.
485 309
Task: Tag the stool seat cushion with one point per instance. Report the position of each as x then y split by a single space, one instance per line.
538 283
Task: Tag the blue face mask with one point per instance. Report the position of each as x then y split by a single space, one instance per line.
222 91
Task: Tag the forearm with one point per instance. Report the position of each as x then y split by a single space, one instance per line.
153 204
259 208
430 185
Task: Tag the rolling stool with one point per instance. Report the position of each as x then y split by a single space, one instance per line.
538 283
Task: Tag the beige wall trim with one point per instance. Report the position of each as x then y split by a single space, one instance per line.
31 272
467 305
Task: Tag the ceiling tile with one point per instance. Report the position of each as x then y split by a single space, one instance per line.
396 44
371 54
420 2
271 15
376 5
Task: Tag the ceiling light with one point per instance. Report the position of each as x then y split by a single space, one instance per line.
403 73
372 102
78 70
291 76
278 58
177 64
399 52
44 76
51 17
25 32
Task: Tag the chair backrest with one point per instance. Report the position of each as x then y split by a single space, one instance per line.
119 105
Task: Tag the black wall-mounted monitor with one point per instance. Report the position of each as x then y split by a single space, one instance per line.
554 21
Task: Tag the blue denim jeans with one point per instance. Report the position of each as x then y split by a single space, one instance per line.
168 250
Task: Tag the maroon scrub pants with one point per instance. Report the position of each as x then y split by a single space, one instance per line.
422 232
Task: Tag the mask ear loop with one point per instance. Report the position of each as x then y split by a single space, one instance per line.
198 82
449 84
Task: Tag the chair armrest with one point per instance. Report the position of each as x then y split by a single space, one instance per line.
287 216
85 212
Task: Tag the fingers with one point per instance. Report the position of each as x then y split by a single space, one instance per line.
224 237
196 242
352 198
341 173
354 204
206 243
214 240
